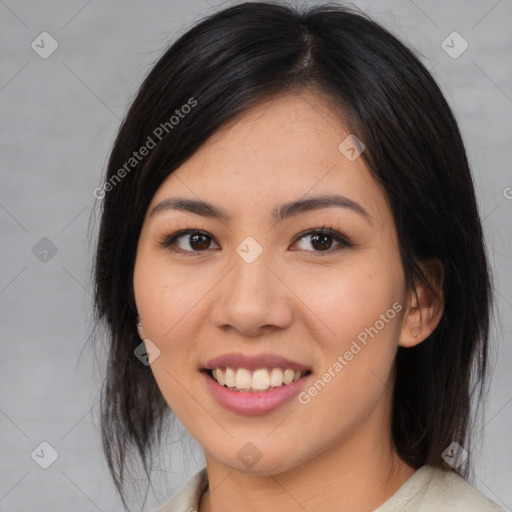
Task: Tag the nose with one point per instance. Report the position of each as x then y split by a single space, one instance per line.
251 299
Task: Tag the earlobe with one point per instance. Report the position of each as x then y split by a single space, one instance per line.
139 327
425 305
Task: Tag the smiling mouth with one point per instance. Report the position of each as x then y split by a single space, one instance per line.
255 381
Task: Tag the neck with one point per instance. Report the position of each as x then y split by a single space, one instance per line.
355 476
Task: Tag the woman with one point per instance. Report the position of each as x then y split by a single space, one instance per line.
291 260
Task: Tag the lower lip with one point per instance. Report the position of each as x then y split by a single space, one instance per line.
254 403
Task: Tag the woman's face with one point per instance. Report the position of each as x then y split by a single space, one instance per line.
251 296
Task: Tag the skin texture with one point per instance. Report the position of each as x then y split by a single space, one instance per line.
294 300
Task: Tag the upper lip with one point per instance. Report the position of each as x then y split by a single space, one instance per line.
238 360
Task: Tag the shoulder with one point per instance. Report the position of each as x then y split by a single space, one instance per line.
453 487
187 498
435 489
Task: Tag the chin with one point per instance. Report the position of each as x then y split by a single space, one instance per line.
268 461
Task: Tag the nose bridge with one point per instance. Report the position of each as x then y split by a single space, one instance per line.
250 273
249 281
251 297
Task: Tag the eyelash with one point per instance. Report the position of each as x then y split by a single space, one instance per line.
168 242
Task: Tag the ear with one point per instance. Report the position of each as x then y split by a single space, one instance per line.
424 306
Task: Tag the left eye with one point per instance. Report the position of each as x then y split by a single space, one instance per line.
323 239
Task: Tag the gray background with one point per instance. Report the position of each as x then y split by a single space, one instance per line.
59 118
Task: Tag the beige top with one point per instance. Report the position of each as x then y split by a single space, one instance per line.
429 489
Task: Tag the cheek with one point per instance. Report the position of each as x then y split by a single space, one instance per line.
350 297
358 309
168 304
172 302
166 295
355 360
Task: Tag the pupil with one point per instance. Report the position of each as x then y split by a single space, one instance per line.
324 240
200 241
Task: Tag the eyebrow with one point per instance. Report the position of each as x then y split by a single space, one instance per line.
284 211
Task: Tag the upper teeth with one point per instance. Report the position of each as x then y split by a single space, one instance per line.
260 379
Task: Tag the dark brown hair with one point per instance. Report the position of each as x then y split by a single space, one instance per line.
231 61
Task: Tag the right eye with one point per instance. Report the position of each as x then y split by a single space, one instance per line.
188 241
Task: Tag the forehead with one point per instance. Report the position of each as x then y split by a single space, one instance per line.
285 130
280 150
